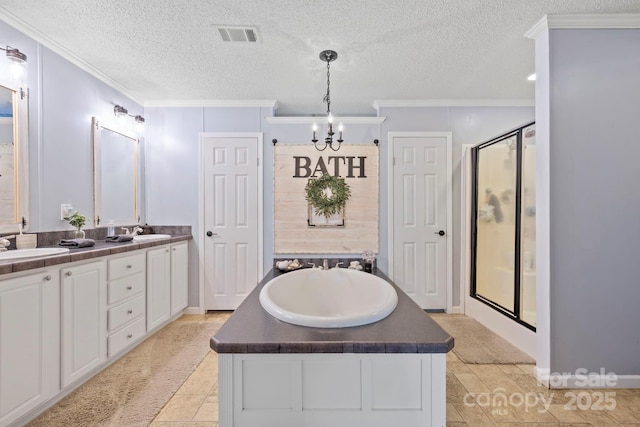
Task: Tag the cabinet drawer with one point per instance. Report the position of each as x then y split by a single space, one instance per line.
121 267
126 287
123 313
126 336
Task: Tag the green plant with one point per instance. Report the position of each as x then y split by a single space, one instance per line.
76 219
327 194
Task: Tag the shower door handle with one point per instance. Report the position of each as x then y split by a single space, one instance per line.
440 233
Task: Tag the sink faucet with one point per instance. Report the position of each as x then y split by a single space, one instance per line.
137 230
4 242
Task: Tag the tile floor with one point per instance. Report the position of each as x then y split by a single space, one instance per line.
476 396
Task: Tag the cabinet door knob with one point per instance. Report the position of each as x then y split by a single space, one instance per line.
129 266
173 249
129 287
68 273
129 311
129 336
47 278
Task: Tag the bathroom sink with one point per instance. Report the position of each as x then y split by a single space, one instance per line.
335 298
145 237
31 253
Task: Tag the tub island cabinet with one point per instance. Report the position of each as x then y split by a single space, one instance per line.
391 372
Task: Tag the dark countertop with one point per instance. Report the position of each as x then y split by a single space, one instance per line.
408 329
100 249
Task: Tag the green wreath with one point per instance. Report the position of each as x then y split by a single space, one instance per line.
317 196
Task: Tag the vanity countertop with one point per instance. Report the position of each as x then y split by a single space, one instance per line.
408 329
100 249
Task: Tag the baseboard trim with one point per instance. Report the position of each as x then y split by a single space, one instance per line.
193 310
456 309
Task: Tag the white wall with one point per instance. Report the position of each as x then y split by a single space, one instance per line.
594 235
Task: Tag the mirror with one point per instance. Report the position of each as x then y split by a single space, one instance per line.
115 167
13 159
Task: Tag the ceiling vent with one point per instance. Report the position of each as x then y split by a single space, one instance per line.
238 34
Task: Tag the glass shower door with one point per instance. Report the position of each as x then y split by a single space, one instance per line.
503 230
495 232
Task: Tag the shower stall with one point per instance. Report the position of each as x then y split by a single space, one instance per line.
503 245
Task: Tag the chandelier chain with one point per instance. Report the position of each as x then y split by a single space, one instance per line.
327 97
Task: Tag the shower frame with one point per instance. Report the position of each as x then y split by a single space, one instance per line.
516 313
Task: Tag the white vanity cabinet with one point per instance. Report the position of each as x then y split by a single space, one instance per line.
158 287
126 322
60 325
29 342
179 277
84 319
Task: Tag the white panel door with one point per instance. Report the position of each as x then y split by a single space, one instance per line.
231 219
420 175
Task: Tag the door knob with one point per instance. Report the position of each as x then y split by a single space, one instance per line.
439 233
210 233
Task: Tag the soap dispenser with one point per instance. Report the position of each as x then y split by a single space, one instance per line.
111 229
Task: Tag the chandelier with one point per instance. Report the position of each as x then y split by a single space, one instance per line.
328 56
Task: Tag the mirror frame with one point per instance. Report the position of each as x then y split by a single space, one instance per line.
96 127
20 100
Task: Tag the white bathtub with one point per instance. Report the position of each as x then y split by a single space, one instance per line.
335 298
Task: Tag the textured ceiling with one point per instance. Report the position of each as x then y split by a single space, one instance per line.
388 49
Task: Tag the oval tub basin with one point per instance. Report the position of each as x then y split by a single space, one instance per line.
335 298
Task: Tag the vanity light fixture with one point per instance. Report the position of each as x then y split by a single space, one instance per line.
328 56
120 111
15 55
140 121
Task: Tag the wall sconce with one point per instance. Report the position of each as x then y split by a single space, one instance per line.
119 111
15 55
140 121
15 69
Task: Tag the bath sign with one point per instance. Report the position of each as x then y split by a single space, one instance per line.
297 228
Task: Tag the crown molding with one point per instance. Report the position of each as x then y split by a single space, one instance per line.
199 103
57 48
300 120
604 21
415 103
